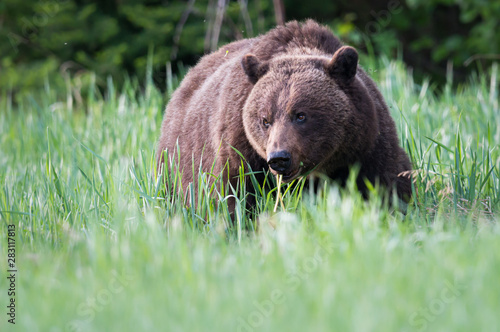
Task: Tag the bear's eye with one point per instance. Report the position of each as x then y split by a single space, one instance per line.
301 117
265 123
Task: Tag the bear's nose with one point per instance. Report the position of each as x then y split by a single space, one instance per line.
279 161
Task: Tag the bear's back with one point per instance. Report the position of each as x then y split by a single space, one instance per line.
296 38
291 38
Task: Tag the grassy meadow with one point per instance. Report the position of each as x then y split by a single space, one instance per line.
101 247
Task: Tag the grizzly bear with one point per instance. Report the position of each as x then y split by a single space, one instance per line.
291 101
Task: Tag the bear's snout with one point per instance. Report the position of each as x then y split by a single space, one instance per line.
279 161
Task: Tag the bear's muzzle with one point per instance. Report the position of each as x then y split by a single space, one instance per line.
280 161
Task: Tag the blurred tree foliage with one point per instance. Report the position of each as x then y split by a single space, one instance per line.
429 35
113 38
39 37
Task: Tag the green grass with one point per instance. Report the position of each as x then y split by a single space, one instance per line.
99 248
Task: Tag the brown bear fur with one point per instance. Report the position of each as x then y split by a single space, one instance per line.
294 89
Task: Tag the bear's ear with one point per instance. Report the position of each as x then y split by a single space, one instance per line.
253 67
344 64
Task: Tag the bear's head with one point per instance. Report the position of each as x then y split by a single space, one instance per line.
308 112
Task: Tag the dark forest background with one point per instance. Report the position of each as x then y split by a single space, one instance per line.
75 38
